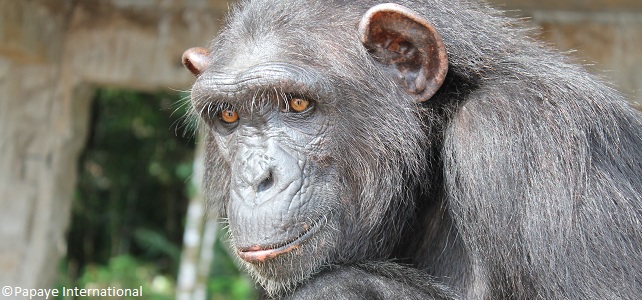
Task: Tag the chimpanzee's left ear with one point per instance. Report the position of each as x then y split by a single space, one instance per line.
409 48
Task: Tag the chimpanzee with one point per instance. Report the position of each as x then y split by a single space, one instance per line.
418 149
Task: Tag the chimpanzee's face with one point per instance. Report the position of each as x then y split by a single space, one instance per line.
280 191
268 120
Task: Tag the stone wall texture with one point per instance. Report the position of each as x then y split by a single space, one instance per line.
604 35
53 53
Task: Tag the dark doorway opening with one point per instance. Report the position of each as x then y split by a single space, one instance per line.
132 192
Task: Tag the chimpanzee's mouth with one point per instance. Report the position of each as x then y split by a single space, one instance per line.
259 254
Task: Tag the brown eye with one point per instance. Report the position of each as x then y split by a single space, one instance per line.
299 104
229 116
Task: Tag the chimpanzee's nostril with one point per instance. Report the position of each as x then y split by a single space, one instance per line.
266 184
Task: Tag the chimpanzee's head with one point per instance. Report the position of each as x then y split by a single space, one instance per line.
315 144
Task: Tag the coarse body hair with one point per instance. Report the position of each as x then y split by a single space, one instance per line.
520 178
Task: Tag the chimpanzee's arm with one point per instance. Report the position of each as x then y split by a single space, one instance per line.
372 281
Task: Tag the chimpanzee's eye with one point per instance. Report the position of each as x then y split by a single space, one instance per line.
298 104
228 116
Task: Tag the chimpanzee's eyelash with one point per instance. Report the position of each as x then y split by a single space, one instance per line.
211 110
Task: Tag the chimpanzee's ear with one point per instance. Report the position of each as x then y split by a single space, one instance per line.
196 60
409 48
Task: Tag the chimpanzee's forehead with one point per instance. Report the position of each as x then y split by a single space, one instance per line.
293 21
279 49
255 53
251 52
264 76
241 46
245 76
257 13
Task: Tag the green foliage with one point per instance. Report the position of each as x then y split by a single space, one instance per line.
155 243
132 195
125 272
131 199
230 288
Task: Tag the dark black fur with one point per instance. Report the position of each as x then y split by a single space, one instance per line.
521 178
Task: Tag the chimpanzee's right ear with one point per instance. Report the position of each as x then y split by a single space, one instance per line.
196 60
409 48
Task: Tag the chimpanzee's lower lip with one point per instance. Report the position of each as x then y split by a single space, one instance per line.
258 254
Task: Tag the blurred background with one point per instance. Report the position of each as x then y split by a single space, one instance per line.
99 171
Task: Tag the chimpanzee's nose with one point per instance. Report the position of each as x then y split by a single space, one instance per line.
266 184
265 173
257 173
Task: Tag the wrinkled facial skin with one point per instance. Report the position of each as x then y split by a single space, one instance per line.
280 192
271 188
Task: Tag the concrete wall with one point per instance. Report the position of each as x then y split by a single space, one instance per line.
606 35
54 52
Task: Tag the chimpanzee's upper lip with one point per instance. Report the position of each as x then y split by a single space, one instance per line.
257 254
